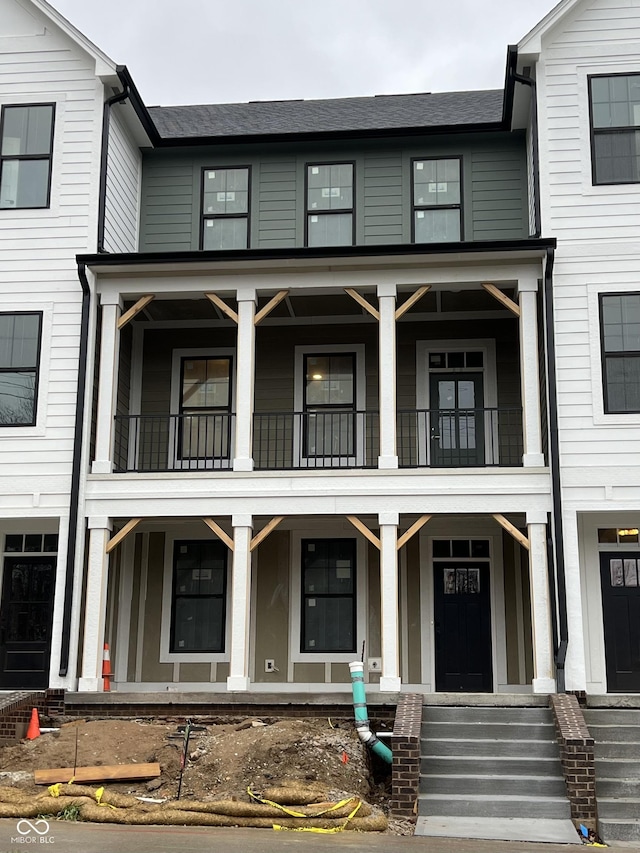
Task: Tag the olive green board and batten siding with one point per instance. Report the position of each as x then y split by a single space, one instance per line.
493 179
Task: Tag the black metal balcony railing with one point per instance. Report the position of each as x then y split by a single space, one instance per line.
460 438
173 442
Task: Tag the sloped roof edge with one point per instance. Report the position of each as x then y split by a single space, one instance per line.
531 43
104 64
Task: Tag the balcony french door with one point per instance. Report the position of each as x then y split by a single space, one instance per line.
457 430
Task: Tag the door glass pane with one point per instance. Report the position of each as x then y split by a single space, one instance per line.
630 573
616 573
446 394
466 394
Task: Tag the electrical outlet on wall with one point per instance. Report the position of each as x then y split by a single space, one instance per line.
269 665
374 664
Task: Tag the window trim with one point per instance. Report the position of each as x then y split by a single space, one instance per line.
459 207
206 216
618 354
36 369
342 210
23 157
593 131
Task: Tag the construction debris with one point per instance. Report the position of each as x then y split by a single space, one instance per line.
101 773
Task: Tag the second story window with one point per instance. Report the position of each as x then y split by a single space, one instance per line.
26 146
19 360
330 205
615 129
436 201
620 335
225 209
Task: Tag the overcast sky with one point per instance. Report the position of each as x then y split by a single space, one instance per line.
219 51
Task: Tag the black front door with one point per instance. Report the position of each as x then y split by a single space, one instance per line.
26 615
620 576
457 419
462 608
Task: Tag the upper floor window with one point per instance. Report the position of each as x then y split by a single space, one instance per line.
19 357
26 146
620 331
329 404
225 208
205 406
615 128
436 201
330 205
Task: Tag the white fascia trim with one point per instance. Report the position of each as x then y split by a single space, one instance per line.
531 43
79 38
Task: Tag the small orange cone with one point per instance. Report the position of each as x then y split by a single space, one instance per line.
34 726
106 669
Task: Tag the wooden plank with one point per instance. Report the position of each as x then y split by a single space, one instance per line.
268 308
362 301
222 305
420 292
140 305
513 530
504 300
105 772
120 535
411 532
359 525
220 533
266 530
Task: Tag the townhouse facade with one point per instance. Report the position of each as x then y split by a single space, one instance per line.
327 355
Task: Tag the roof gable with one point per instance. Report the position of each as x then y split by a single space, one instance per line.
532 42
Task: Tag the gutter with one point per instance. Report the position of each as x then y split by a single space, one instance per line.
104 158
561 639
75 472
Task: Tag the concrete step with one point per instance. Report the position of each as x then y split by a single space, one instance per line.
483 766
616 768
489 748
536 786
618 788
624 808
612 716
487 805
437 713
615 733
497 730
616 750
619 830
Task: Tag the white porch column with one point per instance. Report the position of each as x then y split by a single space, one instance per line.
107 384
530 374
390 623
543 666
245 379
240 603
388 457
96 605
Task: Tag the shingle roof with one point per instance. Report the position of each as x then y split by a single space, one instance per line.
379 113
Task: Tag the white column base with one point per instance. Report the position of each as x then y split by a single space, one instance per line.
390 684
387 462
544 685
102 466
242 464
237 682
533 460
90 685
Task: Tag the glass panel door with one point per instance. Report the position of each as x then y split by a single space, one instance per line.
456 419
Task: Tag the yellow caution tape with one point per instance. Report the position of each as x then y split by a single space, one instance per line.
293 813
99 793
340 828
54 790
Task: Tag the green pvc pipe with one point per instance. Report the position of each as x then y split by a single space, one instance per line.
362 716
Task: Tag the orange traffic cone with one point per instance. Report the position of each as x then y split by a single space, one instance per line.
106 669
34 726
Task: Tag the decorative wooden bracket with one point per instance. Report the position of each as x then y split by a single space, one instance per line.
364 530
266 530
513 530
411 532
362 301
220 533
411 301
140 305
268 308
504 300
222 305
117 538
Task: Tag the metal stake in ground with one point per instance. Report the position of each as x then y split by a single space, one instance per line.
185 754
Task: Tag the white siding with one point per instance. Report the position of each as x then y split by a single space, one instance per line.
123 188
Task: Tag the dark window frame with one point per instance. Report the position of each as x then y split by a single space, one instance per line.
328 407
594 131
604 355
350 210
184 411
218 596
35 370
24 157
459 207
206 216
353 595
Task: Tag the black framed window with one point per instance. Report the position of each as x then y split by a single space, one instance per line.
225 208
198 607
205 406
615 128
328 595
620 338
330 220
19 362
26 149
329 404
437 206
